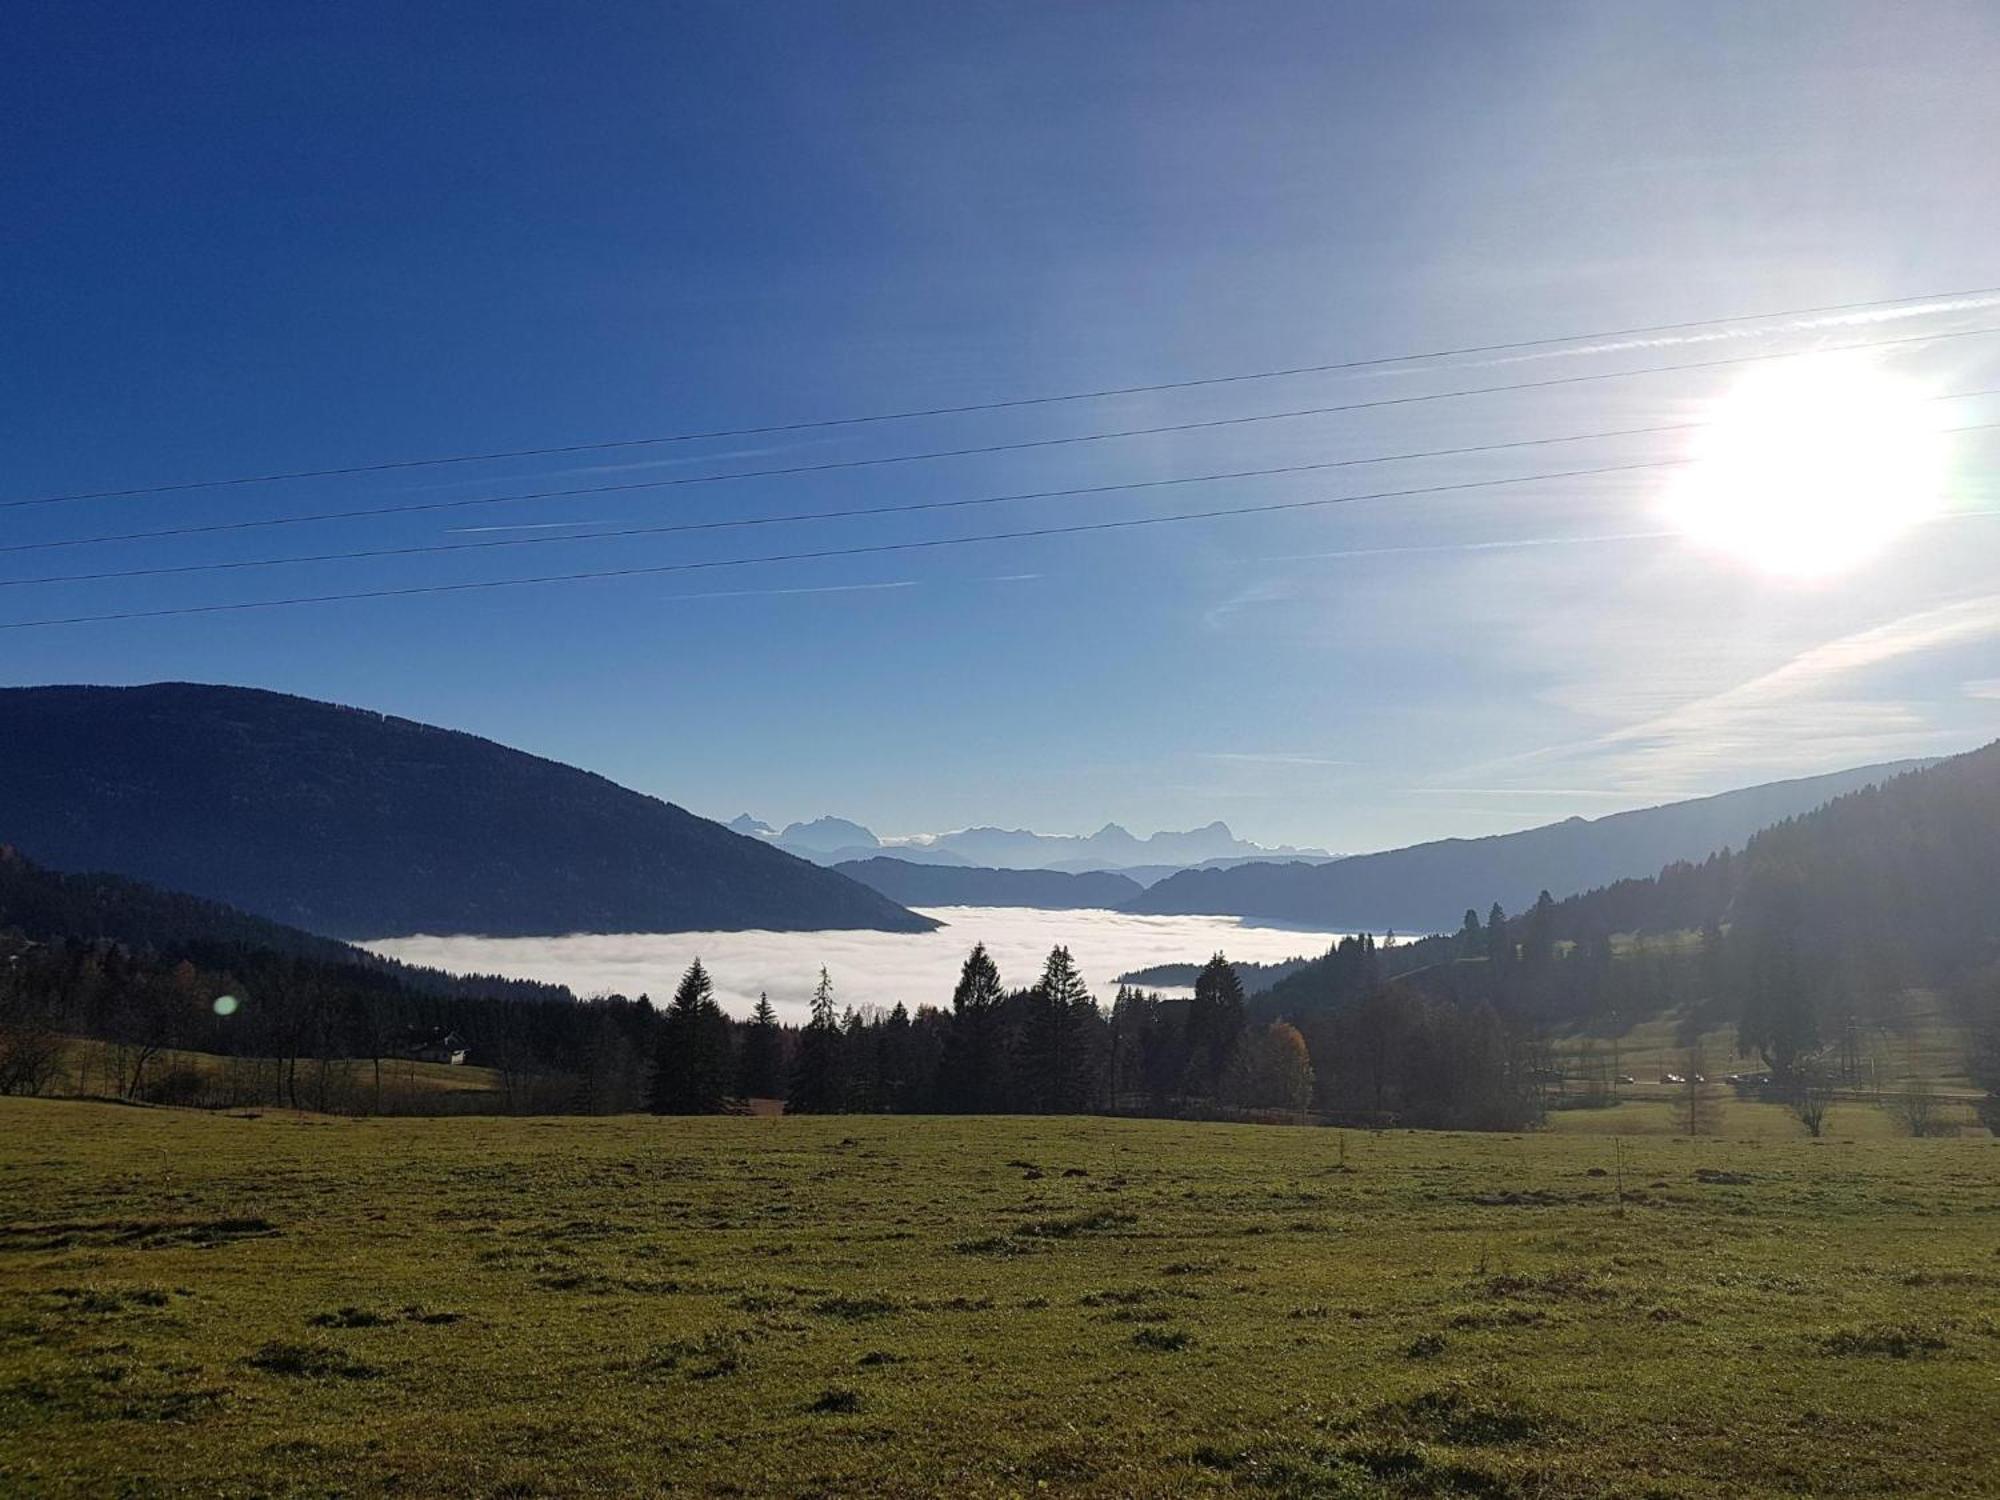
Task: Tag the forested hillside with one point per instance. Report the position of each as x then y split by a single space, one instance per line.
1425 887
1806 938
154 971
355 824
50 906
1808 942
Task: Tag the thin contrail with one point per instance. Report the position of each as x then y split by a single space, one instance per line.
1727 335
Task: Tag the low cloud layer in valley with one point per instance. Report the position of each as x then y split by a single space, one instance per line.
868 968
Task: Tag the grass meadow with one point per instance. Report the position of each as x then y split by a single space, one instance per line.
198 1303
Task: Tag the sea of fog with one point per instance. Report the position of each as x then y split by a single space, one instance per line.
867 968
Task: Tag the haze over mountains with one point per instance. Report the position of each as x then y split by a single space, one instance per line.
1428 887
946 885
354 824
1888 884
832 841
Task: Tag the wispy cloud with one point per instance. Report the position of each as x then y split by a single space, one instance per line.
1807 709
1988 687
1251 596
677 460
1861 318
1510 544
1268 758
1617 793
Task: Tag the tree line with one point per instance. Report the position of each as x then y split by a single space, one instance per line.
1808 941
1050 1048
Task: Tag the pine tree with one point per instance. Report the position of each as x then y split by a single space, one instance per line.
691 1072
1215 1021
974 1069
1470 943
760 1070
816 1086
1058 1040
1539 946
861 1078
894 1061
1498 949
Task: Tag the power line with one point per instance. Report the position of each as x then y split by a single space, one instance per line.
772 429
985 450
871 549
740 522
826 553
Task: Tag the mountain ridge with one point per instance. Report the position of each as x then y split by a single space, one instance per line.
947 885
352 823
1429 886
832 840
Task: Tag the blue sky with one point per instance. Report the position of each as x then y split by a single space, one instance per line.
250 237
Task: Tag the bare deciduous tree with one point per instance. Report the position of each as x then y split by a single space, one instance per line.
1810 1092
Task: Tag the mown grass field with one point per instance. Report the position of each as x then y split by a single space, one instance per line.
205 1304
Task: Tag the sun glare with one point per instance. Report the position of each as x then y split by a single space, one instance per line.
1810 467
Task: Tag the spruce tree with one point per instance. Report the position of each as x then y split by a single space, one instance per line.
974 1068
1059 1039
1469 940
691 1072
760 1071
1215 1021
816 1086
1540 945
861 1077
894 1061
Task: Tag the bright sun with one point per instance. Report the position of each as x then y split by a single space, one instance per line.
1810 467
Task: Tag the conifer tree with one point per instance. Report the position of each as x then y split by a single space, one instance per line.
691 1074
894 1080
760 1072
1058 1040
1539 946
974 1067
817 1085
1215 1021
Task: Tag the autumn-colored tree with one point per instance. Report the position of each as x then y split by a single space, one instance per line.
1271 1070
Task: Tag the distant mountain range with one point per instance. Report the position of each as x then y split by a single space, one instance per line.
833 841
353 824
1428 887
943 885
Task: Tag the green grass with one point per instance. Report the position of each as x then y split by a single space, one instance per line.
97 1069
1926 1046
215 1305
